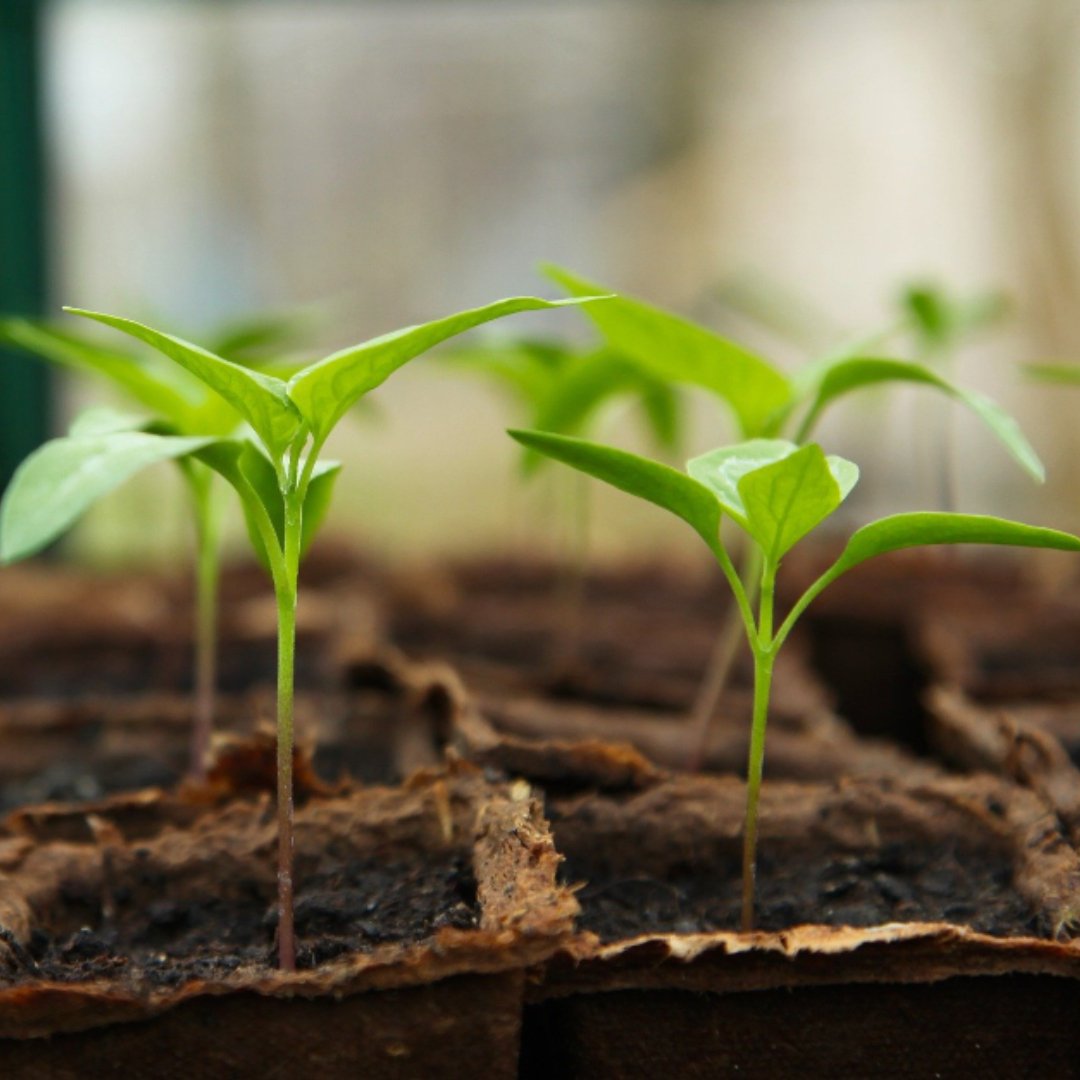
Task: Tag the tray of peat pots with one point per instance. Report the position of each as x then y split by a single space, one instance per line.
901 929
150 942
878 612
1007 694
537 701
97 671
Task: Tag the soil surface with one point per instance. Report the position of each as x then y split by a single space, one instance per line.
352 908
893 884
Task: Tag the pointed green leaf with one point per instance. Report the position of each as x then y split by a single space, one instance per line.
786 500
721 470
168 398
677 350
260 399
919 529
326 390
57 483
855 373
660 484
523 367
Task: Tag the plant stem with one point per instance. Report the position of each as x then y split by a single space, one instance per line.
763 669
764 650
207 573
286 590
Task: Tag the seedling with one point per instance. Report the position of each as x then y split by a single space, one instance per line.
767 403
562 388
776 492
179 406
282 482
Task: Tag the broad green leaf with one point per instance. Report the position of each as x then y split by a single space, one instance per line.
677 350
855 373
326 390
317 500
105 420
660 484
919 529
260 399
57 483
1067 374
167 397
721 470
787 499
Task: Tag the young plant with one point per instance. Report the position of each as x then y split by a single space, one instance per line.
765 402
776 493
563 388
282 482
179 406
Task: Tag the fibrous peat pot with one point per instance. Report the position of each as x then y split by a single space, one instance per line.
418 910
905 930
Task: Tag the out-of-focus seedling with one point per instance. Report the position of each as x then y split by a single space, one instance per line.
564 388
776 493
283 484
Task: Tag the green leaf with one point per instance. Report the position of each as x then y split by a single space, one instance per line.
928 528
168 398
659 484
252 475
721 470
57 483
677 350
326 390
786 500
260 399
855 373
1067 374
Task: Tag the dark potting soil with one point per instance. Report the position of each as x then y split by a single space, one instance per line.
352 908
893 884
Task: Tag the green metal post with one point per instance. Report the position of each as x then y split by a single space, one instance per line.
24 383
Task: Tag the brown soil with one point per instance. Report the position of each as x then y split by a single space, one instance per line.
969 851
350 907
894 884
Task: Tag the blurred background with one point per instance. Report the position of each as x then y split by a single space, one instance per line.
779 170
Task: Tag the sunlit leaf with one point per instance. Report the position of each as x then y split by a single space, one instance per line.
677 350
786 500
721 470
660 484
260 399
61 480
855 373
326 390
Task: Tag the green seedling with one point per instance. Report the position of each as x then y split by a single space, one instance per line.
181 406
765 402
282 482
563 388
776 493
940 325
